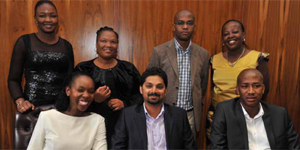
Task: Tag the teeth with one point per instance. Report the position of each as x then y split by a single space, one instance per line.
83 102
231 42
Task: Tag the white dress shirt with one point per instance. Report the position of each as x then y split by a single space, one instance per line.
156 131
257 135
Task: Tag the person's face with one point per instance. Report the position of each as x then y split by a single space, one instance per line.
250 89
46 18
107 45
153 90
81 93
184 26
233 36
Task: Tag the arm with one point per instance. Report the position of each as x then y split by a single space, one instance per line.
120 137
292 135
71 57
263 68
188 137
154 59
136 96
204 75
100 139
37 141
218 135
15 75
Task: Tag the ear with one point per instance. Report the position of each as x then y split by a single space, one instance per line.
244 35
263 89
237 90
68 91
141 89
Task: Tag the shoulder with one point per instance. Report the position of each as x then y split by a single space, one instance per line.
175 110
85 65
229 104
274 109
65 41
126 66
125 63
134 109
96 117
162 47
199 48
217 56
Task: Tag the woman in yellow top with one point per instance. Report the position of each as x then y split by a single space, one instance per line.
228 64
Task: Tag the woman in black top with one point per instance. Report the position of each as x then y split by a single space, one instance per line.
45 58
116 81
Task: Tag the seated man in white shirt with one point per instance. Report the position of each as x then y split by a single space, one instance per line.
248 123
153 125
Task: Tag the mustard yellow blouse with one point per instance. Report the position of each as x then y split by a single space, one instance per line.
225 75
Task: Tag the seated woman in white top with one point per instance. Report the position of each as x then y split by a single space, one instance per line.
70 126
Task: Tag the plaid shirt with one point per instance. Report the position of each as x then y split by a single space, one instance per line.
184 97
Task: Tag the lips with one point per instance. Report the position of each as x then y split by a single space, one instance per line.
83 102
231 41
251 98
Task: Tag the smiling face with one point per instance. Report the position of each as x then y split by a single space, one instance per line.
184 25
153 90
233 36
250 88
81 93
46 18
107 45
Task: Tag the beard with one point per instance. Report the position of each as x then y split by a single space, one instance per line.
154 102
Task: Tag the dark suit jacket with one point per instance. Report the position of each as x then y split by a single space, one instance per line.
164 56
229 129
131 130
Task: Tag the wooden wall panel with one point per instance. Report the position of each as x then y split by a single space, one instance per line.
271 26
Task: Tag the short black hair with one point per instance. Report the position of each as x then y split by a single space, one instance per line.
41 2
233 20
106 28
63 101
154 71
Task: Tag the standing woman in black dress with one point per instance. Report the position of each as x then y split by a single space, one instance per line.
116 81
44 57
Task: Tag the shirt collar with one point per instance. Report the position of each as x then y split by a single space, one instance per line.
160 113
259 114
179 47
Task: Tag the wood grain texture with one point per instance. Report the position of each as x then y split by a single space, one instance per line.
271 26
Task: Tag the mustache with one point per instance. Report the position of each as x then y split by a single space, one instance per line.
153 94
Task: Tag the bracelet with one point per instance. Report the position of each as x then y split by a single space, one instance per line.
18 104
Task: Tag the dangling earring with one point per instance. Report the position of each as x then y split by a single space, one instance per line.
223 44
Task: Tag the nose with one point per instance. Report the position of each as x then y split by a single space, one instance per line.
251 90
47 18
185 26
85 94
108 44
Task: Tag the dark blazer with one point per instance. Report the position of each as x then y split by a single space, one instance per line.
164 56
131 130
229 129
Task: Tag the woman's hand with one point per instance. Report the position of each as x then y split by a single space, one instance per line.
115 104
102 93
24 105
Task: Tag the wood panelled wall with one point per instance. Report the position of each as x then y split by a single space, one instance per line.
271 26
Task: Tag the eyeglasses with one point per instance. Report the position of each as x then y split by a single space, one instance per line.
182 23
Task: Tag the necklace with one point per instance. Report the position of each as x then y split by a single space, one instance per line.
232 64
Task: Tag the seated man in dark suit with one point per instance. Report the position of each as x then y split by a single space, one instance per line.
248 123
153 125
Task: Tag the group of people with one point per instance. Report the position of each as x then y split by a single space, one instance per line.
105 103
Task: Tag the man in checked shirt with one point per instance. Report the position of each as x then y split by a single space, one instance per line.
186 65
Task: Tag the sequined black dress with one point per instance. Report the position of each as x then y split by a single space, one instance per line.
122 80
45 67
